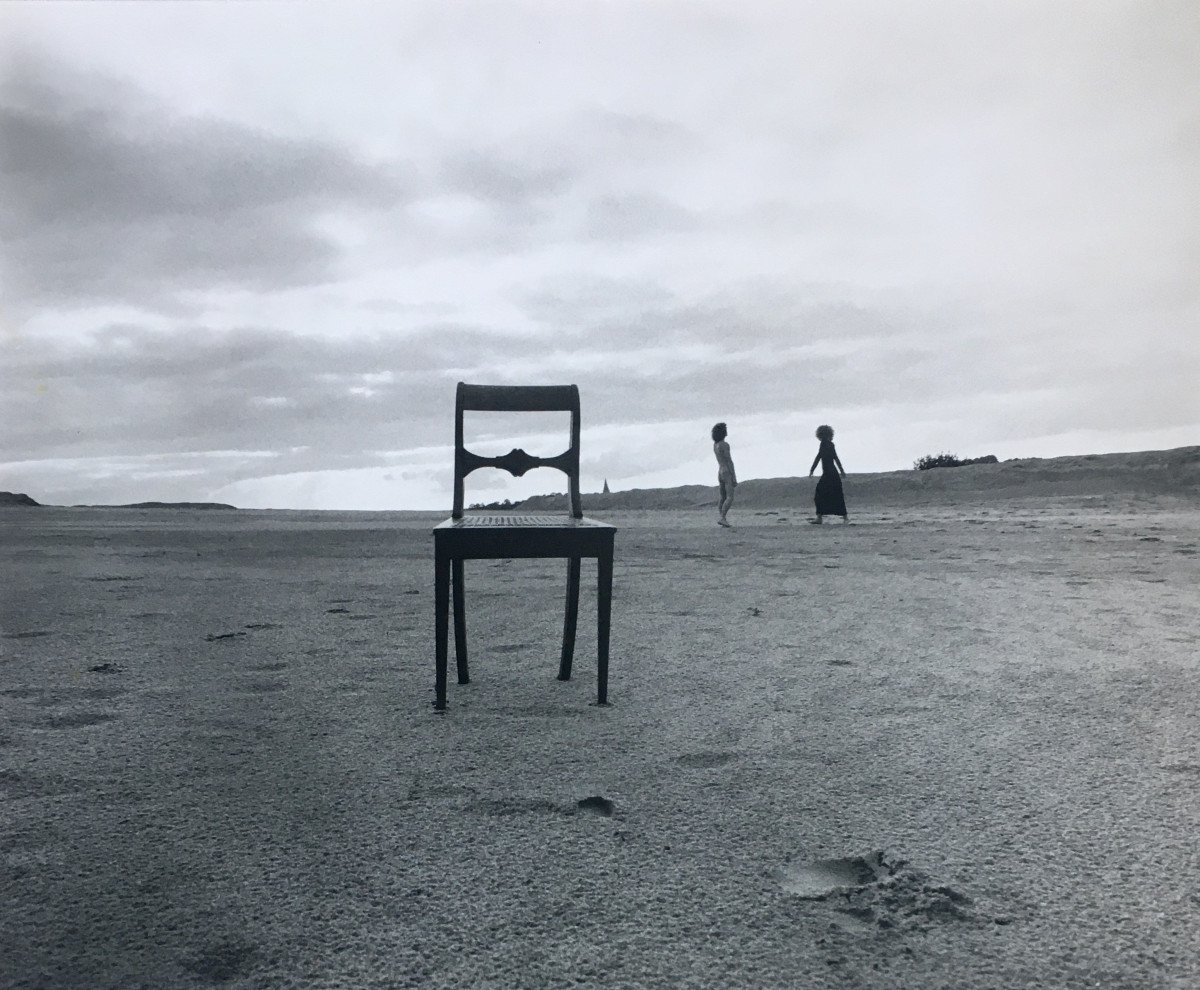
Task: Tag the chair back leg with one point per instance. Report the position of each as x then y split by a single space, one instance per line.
604 571
569 621
460 623
441 618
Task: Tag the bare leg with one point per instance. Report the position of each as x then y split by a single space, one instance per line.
726 502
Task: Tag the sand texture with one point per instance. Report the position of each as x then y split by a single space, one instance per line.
946 746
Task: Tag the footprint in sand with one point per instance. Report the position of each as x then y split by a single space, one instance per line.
16 784
65 696
221 962
874 889
421 791
107 668
28 634
213 637
264 687
705 760
838 662
596 805
263 625
102 693
507 807
337 611
818 878
74 720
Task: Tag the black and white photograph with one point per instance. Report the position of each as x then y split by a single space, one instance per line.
535 494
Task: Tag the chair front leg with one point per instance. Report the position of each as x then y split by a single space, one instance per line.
604 572
569 622
460 622
441 618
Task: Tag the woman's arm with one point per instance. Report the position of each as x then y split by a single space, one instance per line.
838 461
816 461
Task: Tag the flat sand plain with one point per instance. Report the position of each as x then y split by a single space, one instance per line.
943 747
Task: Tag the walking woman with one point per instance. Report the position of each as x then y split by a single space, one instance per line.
830 499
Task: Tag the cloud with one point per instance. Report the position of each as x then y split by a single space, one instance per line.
499 180
110 198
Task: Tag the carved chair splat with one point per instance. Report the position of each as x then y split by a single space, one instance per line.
503 536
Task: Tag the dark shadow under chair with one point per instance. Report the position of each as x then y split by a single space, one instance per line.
500 536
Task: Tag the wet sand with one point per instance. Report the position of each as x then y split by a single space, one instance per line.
943 747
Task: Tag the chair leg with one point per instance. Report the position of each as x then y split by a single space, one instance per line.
568 642
441 618
604 570
460 622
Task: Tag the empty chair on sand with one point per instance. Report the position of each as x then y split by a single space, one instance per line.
502 536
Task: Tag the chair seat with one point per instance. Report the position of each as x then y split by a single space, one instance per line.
513 521
511 535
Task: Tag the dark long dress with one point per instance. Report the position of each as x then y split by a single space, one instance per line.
830 499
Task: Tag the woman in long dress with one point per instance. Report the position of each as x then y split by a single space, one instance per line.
830 499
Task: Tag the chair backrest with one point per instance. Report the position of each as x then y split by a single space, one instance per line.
517 398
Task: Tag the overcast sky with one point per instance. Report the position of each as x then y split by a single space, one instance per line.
248 249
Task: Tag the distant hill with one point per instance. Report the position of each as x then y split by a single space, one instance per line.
1152 472
162 505
13 498
16 498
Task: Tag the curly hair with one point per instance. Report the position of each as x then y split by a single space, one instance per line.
719 433
824 432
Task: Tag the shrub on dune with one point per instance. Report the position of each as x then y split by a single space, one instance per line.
950 460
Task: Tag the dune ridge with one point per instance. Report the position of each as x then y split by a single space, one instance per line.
1151 473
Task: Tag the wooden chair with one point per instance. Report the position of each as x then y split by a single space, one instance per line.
502 536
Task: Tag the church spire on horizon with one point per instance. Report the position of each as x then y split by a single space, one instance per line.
605 491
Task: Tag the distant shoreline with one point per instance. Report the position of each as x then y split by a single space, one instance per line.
1174 473
163 505
20 499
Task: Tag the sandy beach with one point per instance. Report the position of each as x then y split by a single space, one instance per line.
950 745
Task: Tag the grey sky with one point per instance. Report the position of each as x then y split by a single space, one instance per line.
248 249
